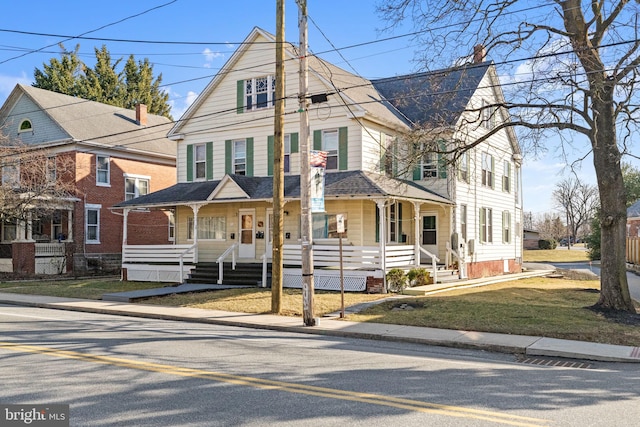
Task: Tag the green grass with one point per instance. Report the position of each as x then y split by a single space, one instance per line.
92 288
555 255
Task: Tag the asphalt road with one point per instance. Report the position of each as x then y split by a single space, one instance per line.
119 371
632 279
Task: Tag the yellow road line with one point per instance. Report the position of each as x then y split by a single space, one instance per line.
407 404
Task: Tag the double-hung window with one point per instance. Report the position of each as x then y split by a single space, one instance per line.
102 170
92 223
260 92
200 161
51 169
135 186
463 223
240 156
330 145
488 115
506 177
11 174
487 170
463 166
486 225
506 227
430 165
287 153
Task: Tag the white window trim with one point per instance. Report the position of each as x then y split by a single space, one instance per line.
137 178
254 94
30 129
108 183
335 131
195 162
235 157
88 207
190 220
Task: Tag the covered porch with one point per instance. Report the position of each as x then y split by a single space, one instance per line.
231 221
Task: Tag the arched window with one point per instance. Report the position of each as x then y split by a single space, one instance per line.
25 126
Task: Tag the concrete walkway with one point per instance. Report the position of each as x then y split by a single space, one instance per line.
333 326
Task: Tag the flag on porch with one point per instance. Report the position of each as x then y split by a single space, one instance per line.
318 162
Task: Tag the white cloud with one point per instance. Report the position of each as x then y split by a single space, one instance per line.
210 56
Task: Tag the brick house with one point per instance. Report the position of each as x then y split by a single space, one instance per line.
111 154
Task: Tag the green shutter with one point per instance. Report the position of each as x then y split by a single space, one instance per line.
190 163
249 154
442 161
270 142
240 97
295 144
228 152
481 222
209 160
342 149
317 140
417 173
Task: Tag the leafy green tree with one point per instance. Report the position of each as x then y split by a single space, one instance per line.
631 177
104 83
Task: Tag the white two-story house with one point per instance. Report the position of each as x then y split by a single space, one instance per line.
464 214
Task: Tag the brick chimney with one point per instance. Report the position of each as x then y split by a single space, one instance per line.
141 114
479 54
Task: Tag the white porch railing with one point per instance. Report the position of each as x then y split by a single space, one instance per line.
434 260
462 268
169 260
49 249
231 250
353 257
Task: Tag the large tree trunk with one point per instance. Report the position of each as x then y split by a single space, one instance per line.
614 294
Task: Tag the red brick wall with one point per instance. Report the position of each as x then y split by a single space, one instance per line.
24 257
476 270
634 226
144 228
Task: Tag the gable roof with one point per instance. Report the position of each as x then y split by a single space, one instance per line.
97 123
633 211
434 98
352 184
358 94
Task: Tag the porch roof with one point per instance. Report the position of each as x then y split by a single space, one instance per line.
350 184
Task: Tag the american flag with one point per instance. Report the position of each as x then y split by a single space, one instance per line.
318 159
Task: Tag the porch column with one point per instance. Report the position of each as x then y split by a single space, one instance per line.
195 209
70 225
383 236
29 226
416 232
125 217
20 230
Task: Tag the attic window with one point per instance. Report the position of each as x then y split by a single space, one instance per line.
25 126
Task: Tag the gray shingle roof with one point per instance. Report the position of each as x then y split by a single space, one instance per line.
633 211
104 124
435 98
354 184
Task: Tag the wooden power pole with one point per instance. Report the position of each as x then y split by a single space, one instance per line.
278 166
305 185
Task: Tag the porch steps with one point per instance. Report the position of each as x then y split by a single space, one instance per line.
244 274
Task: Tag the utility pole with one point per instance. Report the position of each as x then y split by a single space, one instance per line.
278 167
305 185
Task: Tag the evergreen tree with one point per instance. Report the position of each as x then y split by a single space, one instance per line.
103 83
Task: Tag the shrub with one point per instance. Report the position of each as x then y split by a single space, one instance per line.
396 280
419 277
547 244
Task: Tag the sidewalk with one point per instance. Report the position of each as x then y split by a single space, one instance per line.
333 326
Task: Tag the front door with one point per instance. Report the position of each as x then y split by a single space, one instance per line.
429 233
247 232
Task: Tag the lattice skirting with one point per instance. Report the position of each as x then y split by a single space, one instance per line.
329 280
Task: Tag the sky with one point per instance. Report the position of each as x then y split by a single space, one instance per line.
188 41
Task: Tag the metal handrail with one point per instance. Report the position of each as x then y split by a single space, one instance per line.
230 250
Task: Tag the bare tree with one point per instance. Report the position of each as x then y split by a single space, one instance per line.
35 180
577 77
578 201
549 225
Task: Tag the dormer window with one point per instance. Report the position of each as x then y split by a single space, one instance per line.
25 126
